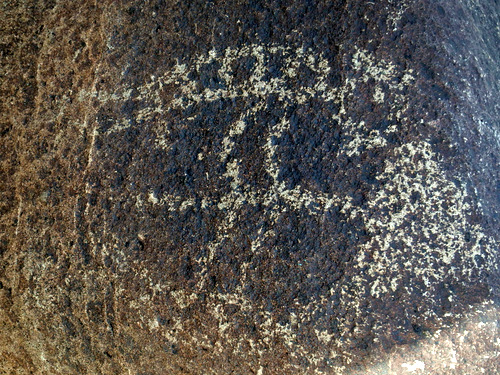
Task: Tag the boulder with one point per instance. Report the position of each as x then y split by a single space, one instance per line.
248 187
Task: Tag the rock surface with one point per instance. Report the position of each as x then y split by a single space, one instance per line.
212 187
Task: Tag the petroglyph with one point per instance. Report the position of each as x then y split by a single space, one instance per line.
412 183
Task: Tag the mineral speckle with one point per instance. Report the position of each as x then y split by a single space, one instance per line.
249 187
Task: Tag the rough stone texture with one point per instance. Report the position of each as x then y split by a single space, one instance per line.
216 187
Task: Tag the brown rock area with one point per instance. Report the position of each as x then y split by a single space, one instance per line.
249 187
